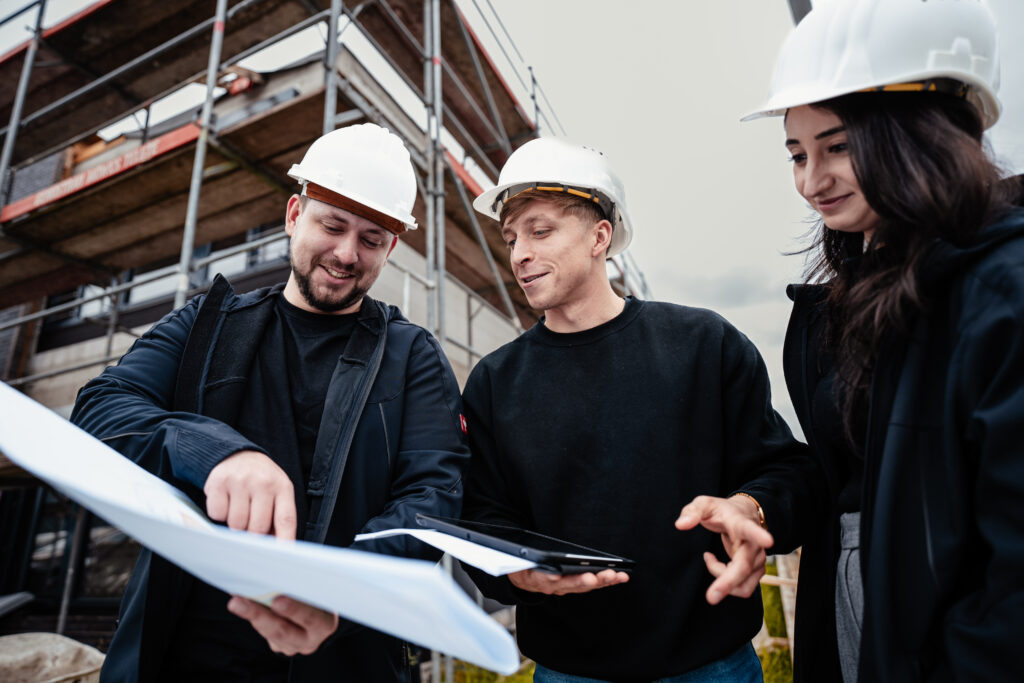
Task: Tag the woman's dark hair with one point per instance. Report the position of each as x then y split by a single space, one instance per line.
921 165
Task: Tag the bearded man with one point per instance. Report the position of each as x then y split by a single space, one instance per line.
283 411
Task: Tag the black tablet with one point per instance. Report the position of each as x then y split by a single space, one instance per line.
550 554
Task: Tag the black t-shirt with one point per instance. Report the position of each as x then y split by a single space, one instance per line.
312 343
831 438
283 405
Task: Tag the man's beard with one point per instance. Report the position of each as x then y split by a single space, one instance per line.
322 304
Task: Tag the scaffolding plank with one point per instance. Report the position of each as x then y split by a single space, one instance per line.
232 191
164 176
104 171
111 34
28 263
232 221
43 284
126 210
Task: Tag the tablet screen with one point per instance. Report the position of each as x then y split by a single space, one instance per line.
518 537
527 538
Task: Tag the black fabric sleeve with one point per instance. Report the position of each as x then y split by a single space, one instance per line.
129 407
982 630
764 460
488 498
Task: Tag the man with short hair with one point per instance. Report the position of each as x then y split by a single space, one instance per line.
306 410
596 426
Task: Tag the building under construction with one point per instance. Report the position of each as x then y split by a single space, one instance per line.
102 234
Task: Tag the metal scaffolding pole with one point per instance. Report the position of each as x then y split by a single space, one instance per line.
331 69
439 264
125 68
17 12
439 165
471 48
133 64
428 199
533 96
73 548
480 158
19 103
495 273
192 212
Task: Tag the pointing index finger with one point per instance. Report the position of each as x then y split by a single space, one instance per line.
693 513
285 516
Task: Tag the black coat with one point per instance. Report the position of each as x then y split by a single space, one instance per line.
942 526
394 446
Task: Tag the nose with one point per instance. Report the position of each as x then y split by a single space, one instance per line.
817 178
346 248
521 252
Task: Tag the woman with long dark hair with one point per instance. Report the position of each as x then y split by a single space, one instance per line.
904 355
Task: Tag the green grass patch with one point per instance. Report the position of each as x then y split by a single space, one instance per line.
469 673
774 617
777 664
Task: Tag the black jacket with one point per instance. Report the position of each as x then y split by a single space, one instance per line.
390 445
942 527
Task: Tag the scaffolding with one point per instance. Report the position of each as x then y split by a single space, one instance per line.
174 198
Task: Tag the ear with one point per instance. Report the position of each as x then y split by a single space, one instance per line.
291 214
602 238
394 243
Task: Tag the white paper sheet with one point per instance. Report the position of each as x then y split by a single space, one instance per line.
410 599
494 562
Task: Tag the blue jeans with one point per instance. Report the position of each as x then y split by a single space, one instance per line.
742 666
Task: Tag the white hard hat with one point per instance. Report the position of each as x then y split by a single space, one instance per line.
364 169
847 46
557 165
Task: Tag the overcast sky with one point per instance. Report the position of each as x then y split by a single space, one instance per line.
660 88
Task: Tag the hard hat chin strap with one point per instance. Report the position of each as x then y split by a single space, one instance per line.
322 194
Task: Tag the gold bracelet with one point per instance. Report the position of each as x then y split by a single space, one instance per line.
760 510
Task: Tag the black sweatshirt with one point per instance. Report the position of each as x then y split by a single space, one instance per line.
600 437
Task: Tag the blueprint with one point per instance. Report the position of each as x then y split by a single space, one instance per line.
411 599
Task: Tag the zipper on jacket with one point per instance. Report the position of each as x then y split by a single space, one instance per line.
929 550
122 435
387 443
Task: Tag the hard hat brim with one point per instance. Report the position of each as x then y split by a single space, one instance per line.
407 220
485 202
988 105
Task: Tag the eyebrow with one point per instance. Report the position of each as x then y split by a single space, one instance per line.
336 216
343 219
379 232
820 136
525 224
